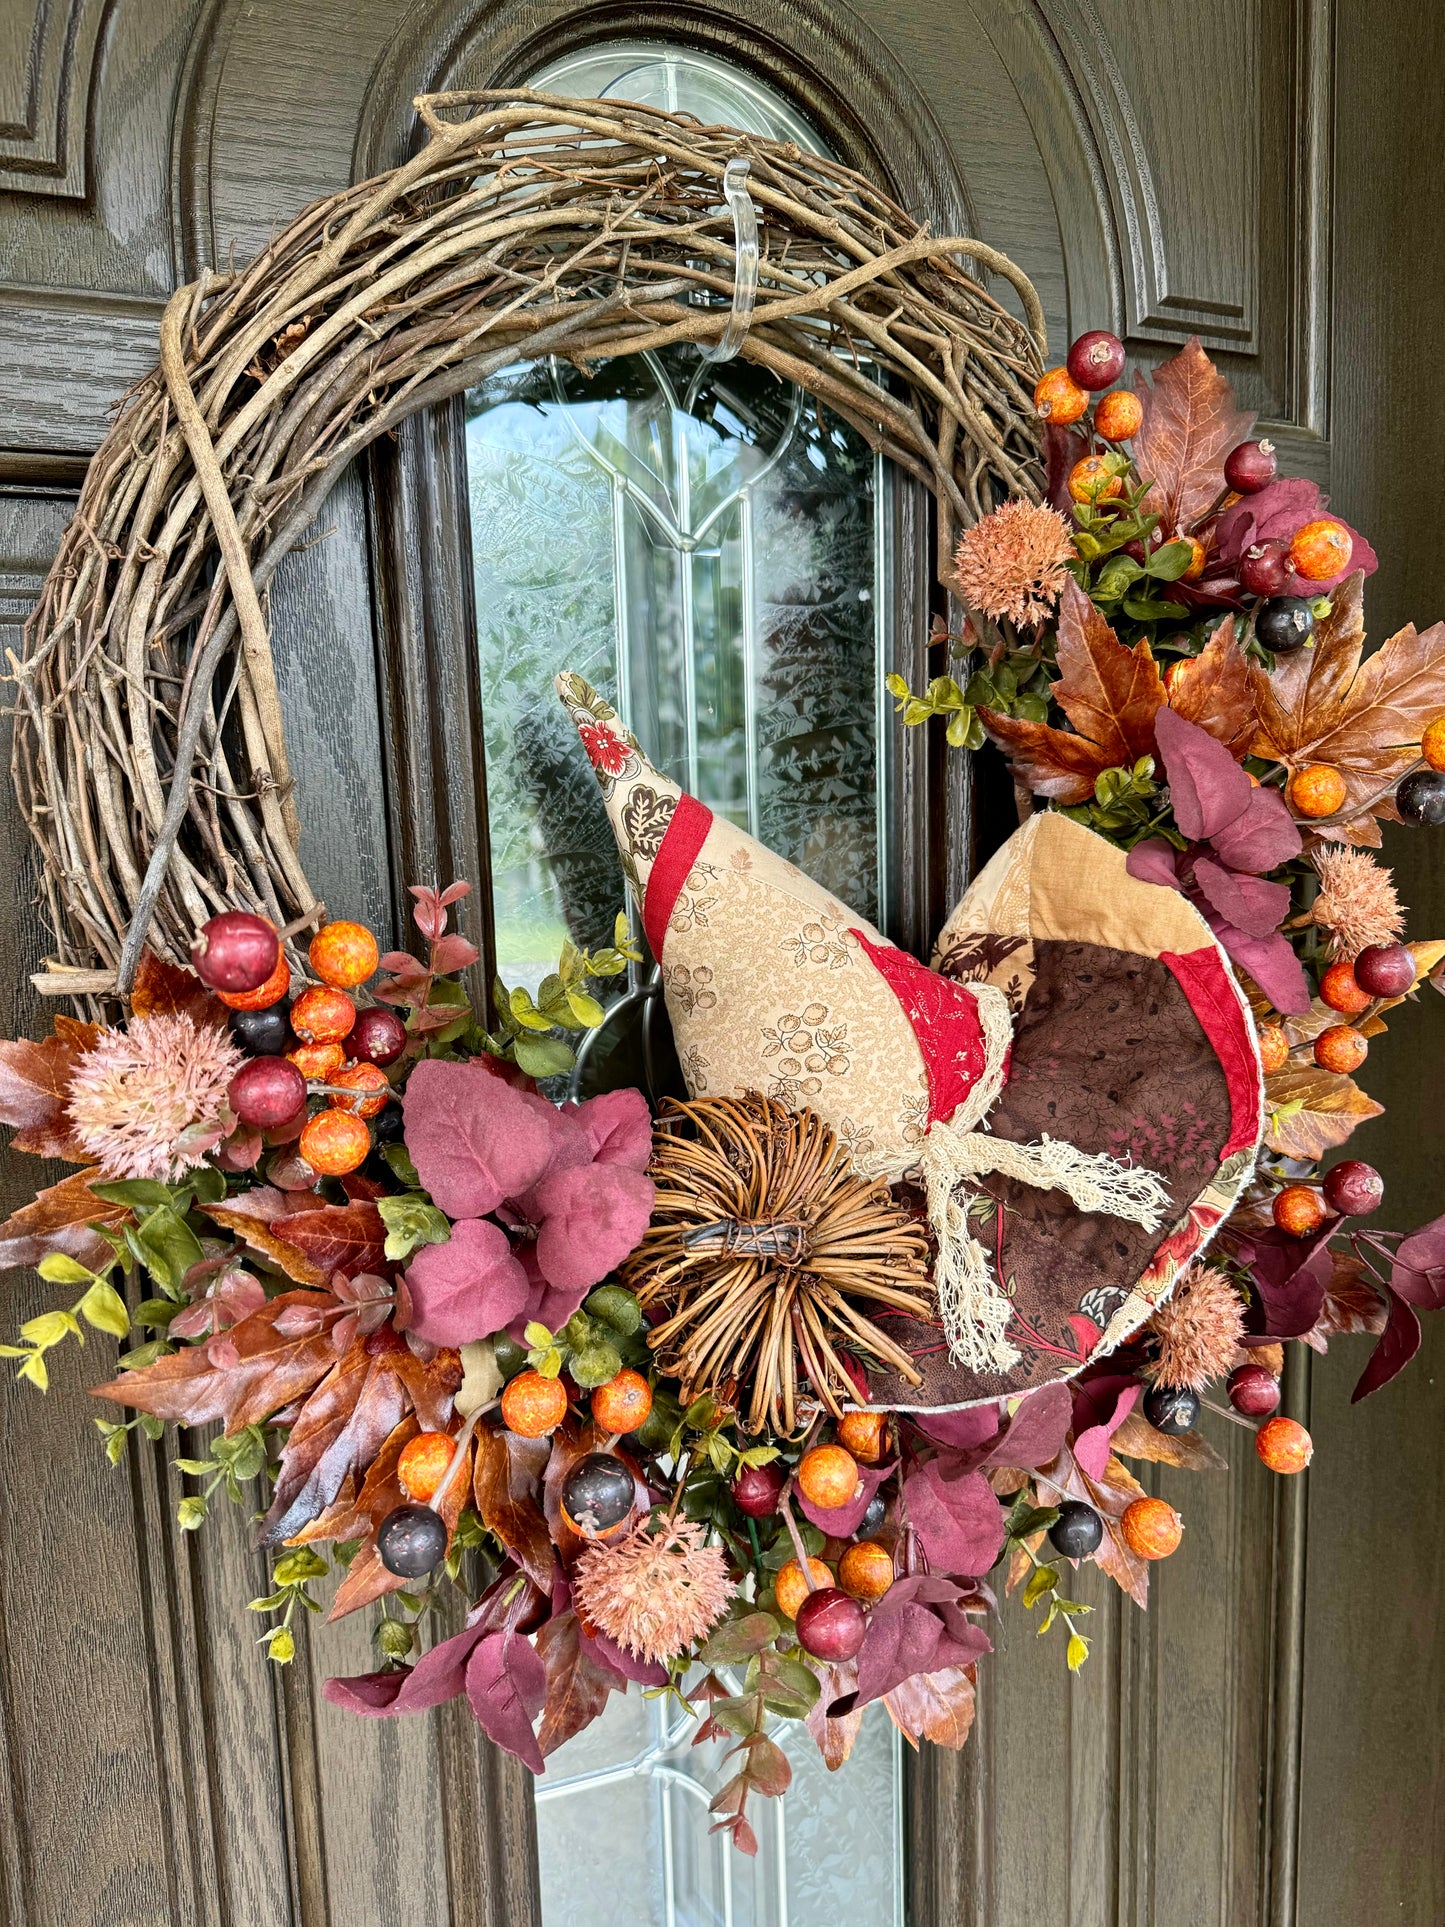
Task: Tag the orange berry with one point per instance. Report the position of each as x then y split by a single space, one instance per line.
533 1406
423 1464
1341 1048
322 1016
828 1476
864 1434
318 1063
1273 1049
791 1587
1092 481
1059 398
1432 743
334 1142
1340 990
623 1403
360 1077
1284 1445
1298 1209
866 1570
344 954
1197 558
1316 790
264 995
1152 1528
1321 549
1119 416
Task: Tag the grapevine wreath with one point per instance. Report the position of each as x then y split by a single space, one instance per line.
769 1394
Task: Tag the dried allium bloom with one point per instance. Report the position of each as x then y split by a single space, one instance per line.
1357 904
1199 1328
654 1592
1012 562
147 1102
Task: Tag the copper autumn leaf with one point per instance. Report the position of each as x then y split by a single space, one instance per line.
1310 1111
59 1219
35 1086
1111 695
352 1514
1136 1438
934 1706
1110 1497
1108 692
508 1492
340 1237
1190 424
257 1218
579 1680
281 1351
162 989
367 1578
340 1429
1324 705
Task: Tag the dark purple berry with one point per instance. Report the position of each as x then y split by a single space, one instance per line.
1078 1530
831 1624
872 1520
1353 1188
1285 623
1421 797
411 1540
1171 1409
1386 969
1253 1391
262 1033
598 1494
1250 467
1096 359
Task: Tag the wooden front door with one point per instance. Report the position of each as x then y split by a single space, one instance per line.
1265 1747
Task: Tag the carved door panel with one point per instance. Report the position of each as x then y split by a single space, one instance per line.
1264 1747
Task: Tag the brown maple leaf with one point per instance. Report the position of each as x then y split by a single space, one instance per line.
835 1737
934 1706
35 1087
59 1219
1214 690
1190 424
353 1512
1310 1111
578 1681
339 1431
281 1352
507 1481
253 1216
1364 718
163 989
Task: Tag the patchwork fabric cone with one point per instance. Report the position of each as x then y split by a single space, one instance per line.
773 985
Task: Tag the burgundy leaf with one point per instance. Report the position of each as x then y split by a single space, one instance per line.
974 1428
619 1128
841 1522
373 1695
590 1218
1091 1447
917 1627
453 953
507 1689
1207 788
1252 904
467 1288
958 1521
1270 961
1261 837
1419 1271
1397 1345
1155 861
1279 510
474 1139
1290 1277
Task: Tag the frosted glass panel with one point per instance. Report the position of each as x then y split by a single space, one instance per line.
709 548
828 1851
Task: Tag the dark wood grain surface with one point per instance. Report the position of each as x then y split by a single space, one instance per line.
1265 1748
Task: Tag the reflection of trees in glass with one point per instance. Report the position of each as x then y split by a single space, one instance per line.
744 533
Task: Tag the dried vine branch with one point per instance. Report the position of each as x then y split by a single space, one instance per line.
149 754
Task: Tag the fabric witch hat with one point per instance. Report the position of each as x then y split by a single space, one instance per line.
773 985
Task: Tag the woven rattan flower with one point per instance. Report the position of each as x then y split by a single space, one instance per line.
765 1256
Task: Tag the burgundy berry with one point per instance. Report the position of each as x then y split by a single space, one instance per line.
1250 467
1264 568
1386 969
757 1489
235 952
1096 359
831 1624
377 1037
1353 1188
1253 1391
267 1093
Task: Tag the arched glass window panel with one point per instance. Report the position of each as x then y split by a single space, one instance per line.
711 550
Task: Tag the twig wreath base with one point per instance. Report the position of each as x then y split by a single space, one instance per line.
149 751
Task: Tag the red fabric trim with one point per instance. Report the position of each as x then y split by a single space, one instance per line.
1203 976
944 1018
681 842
